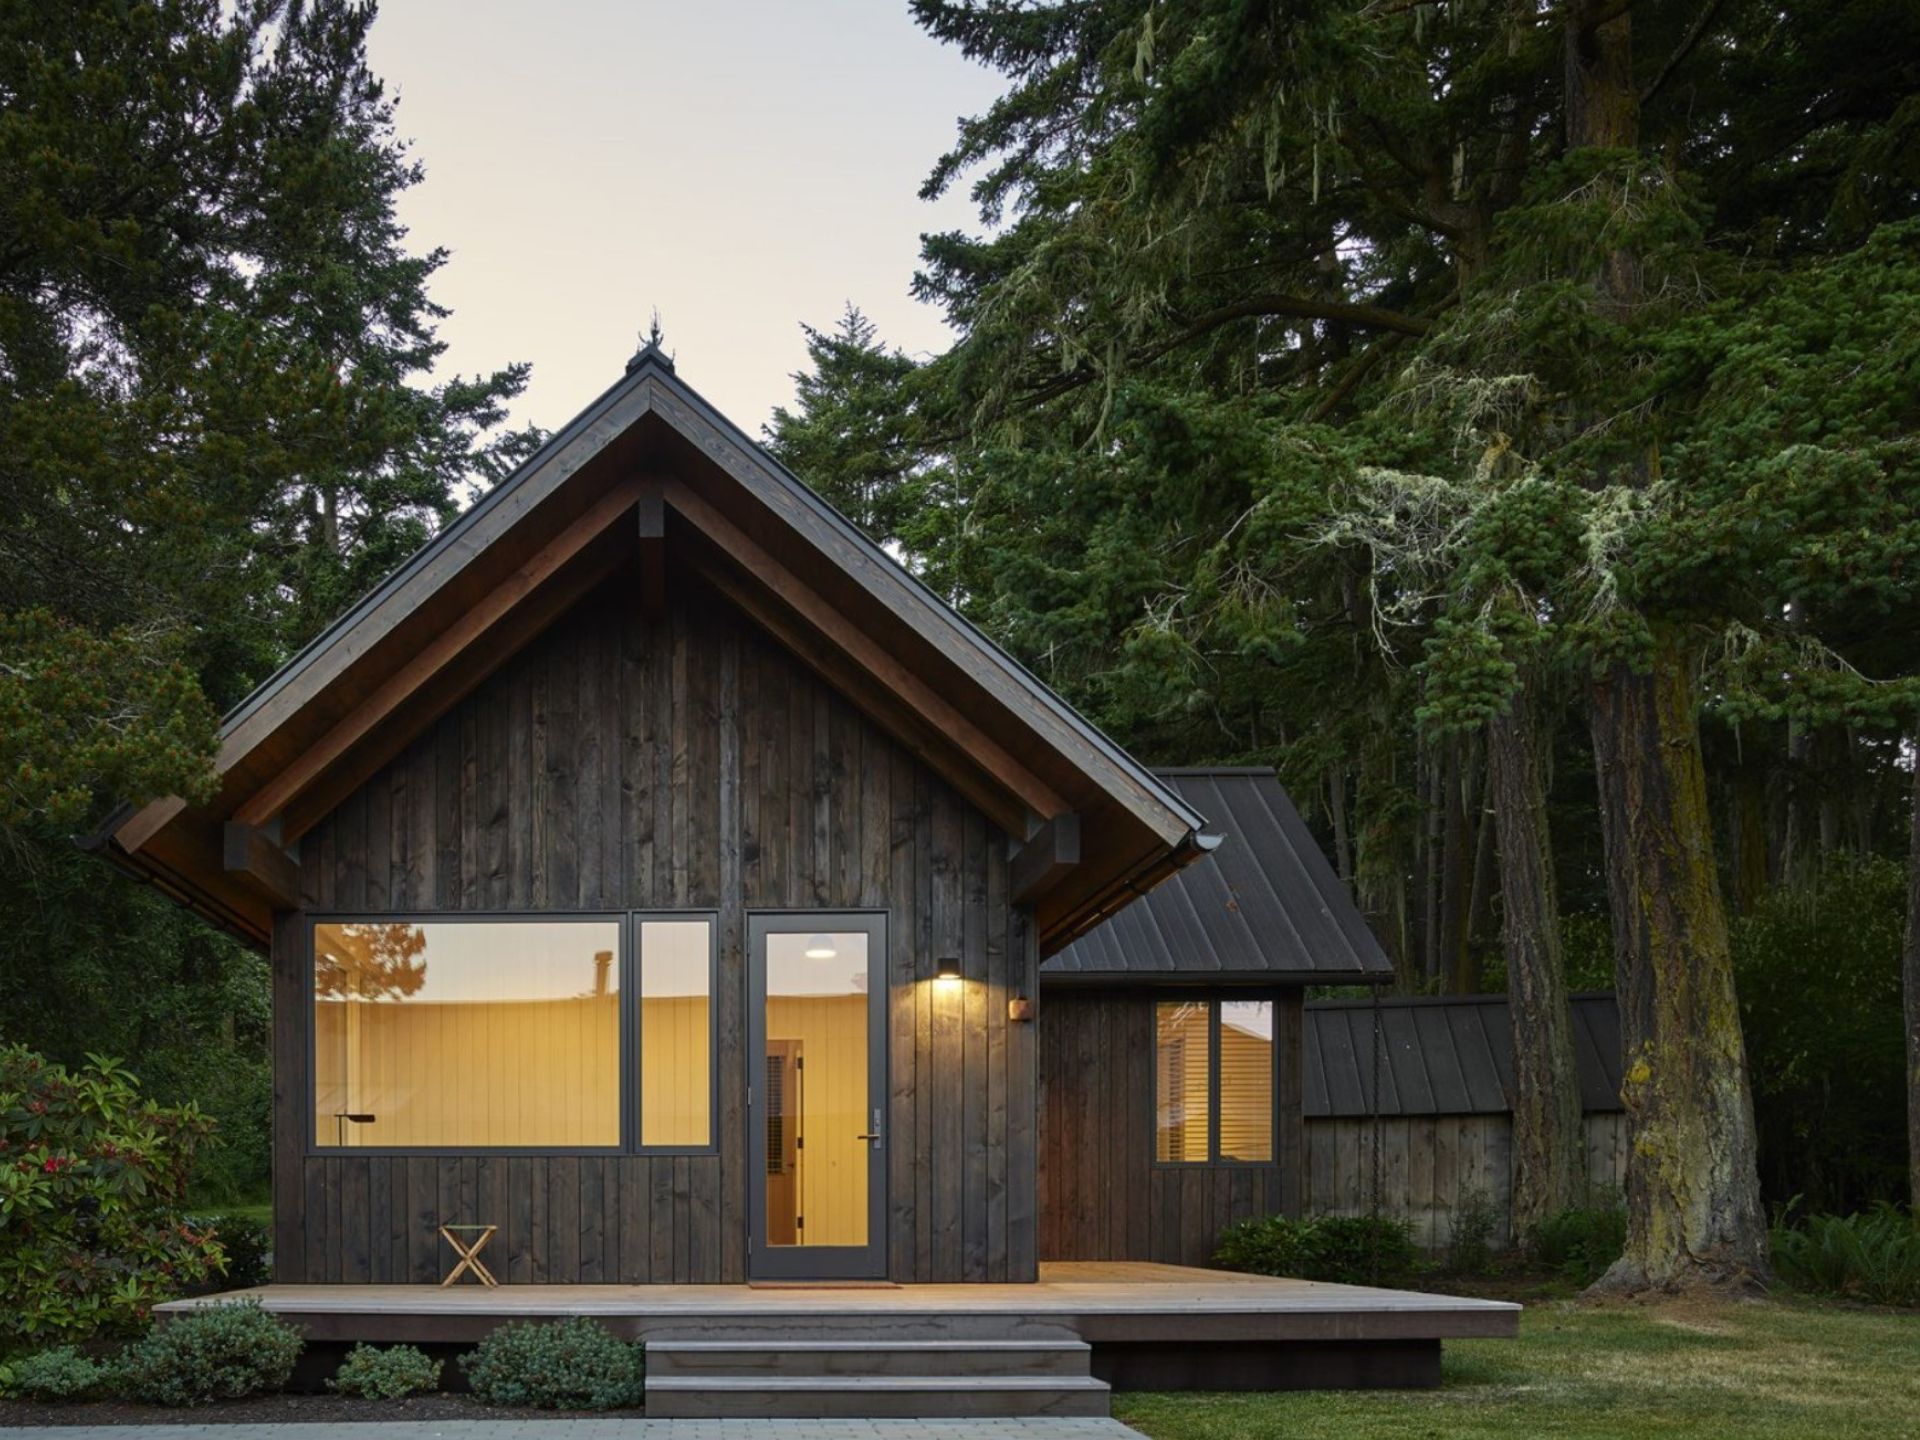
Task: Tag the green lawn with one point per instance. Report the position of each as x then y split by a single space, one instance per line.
1772 1369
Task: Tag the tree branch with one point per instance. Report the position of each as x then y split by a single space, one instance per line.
1334 312
1685 48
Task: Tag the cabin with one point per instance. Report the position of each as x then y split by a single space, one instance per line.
675 904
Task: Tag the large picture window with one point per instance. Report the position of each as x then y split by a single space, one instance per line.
513 1033
1213 1066
467 1033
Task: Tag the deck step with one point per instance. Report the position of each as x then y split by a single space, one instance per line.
800 1371
909 1358
855 1327
873 1396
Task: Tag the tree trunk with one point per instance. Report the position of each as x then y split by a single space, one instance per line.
1549 1135
1693 1189
1910 976
1693 1186
1380 856
1480 898
1337 813
1433 832
1457 877
1748 824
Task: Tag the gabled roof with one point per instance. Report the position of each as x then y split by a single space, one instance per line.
1448 1055
651 476
1265 906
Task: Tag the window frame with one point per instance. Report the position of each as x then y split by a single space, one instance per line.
631 1098
1212 999
627 959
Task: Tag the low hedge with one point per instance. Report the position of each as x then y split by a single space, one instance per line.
570 1364
59 1374
1350 1249
216 1352
392 1372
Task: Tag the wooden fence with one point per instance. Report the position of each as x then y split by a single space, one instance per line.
1430 1165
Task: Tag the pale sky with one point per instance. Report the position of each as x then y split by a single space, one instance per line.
743 165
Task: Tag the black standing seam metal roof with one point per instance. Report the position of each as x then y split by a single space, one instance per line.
1265 905
1450 1055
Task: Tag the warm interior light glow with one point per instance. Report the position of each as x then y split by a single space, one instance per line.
947 971
820 948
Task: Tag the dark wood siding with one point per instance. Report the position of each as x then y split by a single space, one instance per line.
683 762
1101 1195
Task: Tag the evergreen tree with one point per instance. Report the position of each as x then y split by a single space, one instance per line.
213 435
1463 257
856 436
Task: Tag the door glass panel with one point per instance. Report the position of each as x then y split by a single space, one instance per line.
815 1077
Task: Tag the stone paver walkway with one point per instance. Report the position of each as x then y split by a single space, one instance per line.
1035 1429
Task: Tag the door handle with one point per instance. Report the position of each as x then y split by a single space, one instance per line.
875 1135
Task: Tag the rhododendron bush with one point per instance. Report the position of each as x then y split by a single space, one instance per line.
92 1180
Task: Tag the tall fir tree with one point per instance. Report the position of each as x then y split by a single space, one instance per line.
215 431
856 435
1437 267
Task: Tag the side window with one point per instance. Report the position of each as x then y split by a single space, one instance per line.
1213 1067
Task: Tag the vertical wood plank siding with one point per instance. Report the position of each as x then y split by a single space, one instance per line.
1101 1195
685 762
1103 1198
1432 1165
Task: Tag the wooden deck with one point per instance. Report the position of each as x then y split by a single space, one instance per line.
1158 1324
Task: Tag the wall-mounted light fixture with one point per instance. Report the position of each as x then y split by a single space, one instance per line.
947 970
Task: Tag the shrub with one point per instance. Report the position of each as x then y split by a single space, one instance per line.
1470 1244
563 1365
393 1373
1873 1256
91 1179
1579 1244
217 1352
247 1246
61 1373
1352 1249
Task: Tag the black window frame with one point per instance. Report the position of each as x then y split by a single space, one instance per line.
630 1016
1215 1160
628 960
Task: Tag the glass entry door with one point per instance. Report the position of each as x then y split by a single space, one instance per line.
816 1122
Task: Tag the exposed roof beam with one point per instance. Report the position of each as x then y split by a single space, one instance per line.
459 680
277 794
250 855
1046 858
653 551
874 663
148 821
922 612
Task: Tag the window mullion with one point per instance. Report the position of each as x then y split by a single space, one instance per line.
1213 1081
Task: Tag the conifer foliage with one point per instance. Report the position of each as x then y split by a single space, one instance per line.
1498 415
216 430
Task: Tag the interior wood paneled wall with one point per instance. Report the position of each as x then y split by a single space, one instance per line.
1102 1197
687 762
